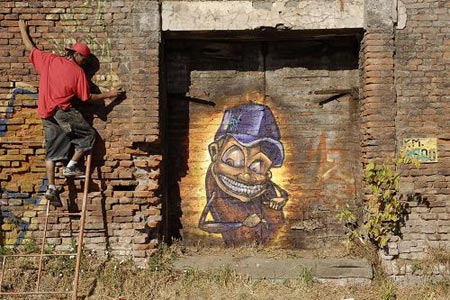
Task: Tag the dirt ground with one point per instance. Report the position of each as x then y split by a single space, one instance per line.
123 280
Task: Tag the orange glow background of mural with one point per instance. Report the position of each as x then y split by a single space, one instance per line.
203 127
317 172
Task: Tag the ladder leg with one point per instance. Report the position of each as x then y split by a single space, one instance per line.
3 272
41 257
81 230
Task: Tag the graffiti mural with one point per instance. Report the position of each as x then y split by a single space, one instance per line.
304 93
243 204
15 187
16 93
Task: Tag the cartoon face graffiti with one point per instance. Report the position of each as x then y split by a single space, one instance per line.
244 203
242 172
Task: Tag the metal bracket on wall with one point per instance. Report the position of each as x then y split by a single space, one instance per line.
337 94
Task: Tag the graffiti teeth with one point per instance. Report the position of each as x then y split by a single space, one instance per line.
241 188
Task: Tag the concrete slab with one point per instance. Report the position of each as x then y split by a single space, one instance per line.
248 15
259 267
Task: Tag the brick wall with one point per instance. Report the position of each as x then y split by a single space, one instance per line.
377 96
421 83
403 87
124 202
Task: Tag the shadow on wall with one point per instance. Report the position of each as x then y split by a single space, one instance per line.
176 166
89 111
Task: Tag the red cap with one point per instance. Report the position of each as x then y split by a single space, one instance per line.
81 48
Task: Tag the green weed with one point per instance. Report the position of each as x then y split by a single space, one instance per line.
162 259
306 276
387 290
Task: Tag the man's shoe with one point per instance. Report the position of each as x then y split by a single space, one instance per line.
53 196
73 172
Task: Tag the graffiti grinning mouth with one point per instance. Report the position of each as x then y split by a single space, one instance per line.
241 188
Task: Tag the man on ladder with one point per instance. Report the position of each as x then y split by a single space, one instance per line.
62 80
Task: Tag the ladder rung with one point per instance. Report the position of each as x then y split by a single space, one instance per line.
34 293
39 255
78 254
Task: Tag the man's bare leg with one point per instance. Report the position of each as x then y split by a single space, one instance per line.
50 168
71 170
77 155
52 194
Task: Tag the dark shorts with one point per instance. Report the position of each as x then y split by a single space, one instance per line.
57 144
66 128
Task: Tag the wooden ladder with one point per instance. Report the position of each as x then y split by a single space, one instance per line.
41 255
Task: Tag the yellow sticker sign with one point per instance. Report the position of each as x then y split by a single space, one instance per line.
422 149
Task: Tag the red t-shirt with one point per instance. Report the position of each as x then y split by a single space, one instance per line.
61 80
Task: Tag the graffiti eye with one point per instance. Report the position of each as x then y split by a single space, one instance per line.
257 166
234 157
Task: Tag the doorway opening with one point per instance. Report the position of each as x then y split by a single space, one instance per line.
307 82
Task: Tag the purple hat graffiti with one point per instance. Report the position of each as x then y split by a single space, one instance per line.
251 124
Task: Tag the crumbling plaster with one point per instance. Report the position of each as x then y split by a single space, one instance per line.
248 15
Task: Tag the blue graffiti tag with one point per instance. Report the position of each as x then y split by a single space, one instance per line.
10 107
20 224
4 213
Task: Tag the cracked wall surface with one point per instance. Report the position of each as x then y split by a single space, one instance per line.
247 15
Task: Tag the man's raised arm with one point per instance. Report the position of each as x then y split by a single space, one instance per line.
112 94
25 36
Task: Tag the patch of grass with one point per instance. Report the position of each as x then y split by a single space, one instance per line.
5 251
387 290
335 249
440 256
416 267
438 289
306 276
160 280
163 259
28 247
221 277
57 273
191 275
224 276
